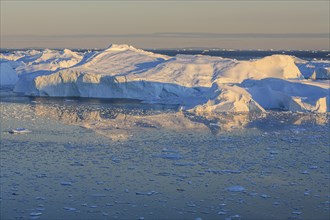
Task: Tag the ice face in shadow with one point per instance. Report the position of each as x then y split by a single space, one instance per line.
8 76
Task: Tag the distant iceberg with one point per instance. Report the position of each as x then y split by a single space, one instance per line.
200 84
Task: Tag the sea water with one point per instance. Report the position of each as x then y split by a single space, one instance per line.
233 54
118 159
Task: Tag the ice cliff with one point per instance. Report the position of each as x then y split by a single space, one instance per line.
201 84
8 75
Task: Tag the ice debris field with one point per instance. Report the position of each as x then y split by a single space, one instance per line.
200 84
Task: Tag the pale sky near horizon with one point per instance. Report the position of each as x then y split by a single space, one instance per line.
261 24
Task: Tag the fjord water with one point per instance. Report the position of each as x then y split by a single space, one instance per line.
234 54
247 54
94 159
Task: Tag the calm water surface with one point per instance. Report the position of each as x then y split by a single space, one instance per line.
119 160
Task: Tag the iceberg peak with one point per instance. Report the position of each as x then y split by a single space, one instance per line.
120 47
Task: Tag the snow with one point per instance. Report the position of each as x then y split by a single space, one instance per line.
52 60
275 66
200 84
231 98
289 95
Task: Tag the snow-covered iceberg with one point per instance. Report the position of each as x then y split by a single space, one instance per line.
200 84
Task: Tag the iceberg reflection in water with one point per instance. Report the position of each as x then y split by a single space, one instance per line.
99 160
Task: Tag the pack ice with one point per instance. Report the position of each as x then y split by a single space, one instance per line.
200 84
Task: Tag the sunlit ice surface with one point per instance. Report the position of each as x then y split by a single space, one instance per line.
107 159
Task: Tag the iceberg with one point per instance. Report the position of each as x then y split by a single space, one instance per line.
321 73
199 83
315 69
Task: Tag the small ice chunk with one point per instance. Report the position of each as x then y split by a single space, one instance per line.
19 131
41 175
146 193
70 209
35 213
296 213
253 194
182 164
223 171
66 183
236 189
165 150
98 195
170 156
273 152
265 196
77 163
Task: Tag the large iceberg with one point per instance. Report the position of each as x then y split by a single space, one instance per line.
200 84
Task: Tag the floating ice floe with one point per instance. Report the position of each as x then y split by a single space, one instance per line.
66 183
19 131
35 213
236 189
146 193
71 209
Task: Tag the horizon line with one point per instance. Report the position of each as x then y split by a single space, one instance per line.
177 35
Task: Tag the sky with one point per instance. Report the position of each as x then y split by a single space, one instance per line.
235 24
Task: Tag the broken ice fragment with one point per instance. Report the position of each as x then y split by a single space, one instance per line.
170 156
145 193
19 131
265 196
296 213
65 183
70 209
35 213
183 164
236 189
